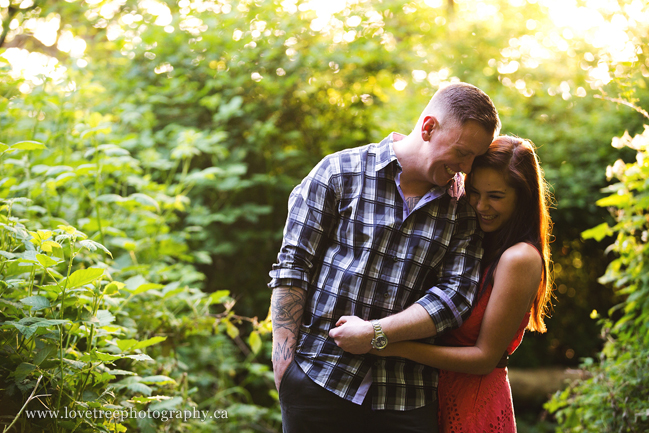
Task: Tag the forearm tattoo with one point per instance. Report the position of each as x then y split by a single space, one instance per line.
411 202
287 307
283 351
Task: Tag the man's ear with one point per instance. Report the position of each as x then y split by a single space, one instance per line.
429 124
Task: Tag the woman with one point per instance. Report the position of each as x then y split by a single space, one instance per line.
508 192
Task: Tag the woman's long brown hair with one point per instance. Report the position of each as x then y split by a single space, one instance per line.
517 160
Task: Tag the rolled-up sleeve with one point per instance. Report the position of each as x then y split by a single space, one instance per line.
449 301
311 218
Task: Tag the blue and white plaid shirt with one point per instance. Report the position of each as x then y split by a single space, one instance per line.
352 244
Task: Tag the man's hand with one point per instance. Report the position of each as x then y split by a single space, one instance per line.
353 335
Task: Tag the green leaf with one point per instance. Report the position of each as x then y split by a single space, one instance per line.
139 387
92 246
146 287
45 261
105 317
145 200
29 325
598 233
96 355
118 372
22 371
113 288
159 380
219 297
36 302
77 365
126 243
125 345
139 357
48 245
84 169
82 277
231 330
166 403
149 342
44 353
254 340
28 145
9 303
130 344
134 282
7 255
617 200
110 198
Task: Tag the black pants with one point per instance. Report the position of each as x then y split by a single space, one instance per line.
309 408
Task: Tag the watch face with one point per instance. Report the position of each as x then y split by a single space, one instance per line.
380 342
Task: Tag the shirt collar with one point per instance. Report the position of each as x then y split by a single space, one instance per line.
385 156
385 153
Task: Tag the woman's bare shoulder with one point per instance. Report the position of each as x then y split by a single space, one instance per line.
522 256
519 271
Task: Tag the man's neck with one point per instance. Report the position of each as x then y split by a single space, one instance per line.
406 150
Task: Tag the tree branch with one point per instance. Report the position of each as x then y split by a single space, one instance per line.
12 12
625 102
5 24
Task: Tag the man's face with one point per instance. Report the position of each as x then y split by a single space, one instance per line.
453 148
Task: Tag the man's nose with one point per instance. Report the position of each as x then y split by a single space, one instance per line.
465 166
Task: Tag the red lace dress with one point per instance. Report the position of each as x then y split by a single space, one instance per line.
470 403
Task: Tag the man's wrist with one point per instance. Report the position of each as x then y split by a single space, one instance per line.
380 340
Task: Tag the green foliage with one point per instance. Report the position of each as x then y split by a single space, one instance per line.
101 309
614 397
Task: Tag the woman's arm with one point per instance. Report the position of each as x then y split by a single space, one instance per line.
516 281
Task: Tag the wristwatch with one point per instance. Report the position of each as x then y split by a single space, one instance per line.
380 340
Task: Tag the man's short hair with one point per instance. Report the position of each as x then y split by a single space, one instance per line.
461 102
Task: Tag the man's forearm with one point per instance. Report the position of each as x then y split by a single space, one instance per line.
354 335
287 308
411 324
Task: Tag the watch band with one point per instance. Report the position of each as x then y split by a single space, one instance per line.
380 340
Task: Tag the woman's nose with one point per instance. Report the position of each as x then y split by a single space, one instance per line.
481 204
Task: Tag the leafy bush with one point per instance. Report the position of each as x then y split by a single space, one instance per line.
615 397
101 307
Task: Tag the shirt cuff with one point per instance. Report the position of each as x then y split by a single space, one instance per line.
287 277
441 309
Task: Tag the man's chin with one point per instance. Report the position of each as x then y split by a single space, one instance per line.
449 180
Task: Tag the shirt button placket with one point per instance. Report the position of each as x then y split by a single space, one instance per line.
394 259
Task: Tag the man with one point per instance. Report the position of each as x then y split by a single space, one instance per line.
373 232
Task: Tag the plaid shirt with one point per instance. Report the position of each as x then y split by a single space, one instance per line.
351 242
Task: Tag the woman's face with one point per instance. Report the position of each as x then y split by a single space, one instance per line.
492 198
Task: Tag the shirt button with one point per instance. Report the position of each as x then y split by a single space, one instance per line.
386 295
394 258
